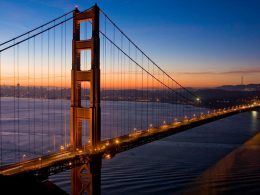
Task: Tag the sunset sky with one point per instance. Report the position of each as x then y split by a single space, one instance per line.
201 43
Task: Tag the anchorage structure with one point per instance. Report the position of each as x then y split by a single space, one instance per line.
91 113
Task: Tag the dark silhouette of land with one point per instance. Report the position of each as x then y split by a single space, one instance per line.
219 97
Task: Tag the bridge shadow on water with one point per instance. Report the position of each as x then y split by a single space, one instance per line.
237 173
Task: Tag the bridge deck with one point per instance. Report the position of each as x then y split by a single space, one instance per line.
66 159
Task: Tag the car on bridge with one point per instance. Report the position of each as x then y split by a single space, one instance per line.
152 129
176 123
136 133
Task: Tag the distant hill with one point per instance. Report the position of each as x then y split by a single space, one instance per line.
249 87
225 96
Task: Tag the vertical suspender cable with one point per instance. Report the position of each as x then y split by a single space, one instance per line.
54 86
129 79
164 108
183 104
18 106
65 80
48 93
111 105
121 74
147 97
1 130
158 102
153 105
14 61
142 105
105 73
124 93
61 95
135 90
42 107
117 87
34 97
176 105
28 97
113 80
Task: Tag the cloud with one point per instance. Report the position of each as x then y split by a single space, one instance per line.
246 71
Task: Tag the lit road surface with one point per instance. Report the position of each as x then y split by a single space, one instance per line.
37 163
110 147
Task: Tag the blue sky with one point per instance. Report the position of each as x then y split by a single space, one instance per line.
188 38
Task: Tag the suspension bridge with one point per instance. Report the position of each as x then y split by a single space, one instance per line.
78 87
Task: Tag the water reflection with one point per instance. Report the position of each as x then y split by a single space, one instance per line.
86 179
237 173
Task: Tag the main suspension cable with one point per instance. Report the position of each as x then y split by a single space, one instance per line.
121 31
143 68
37 28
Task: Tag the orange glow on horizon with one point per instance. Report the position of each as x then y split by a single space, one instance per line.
131 81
